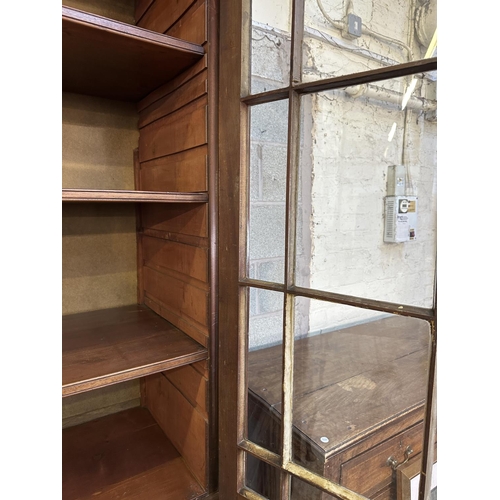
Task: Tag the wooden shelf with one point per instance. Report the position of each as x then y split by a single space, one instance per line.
124 455
110 195
111 59
101 348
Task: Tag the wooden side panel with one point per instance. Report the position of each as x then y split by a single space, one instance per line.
162 14
141 6
184 300
192 385
185 172
178 131
173 156
192 26
189 220
183 424
176 259
191 90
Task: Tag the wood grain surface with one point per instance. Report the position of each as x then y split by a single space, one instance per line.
108 58
125 455
112 345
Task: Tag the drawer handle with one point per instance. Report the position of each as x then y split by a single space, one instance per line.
394 463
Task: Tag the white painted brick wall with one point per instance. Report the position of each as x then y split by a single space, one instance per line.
344 163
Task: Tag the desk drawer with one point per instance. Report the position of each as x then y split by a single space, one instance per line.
369 472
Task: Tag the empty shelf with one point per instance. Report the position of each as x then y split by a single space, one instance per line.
111 195
108 346
111 59
124 455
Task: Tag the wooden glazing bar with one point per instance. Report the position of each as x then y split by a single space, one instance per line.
250 494
386 73
370 76
348 300
376 305
429 421
322 483
261 453
115 195
290 243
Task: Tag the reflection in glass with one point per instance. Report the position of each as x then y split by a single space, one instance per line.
368 191
360 386
265 337
267 191
270 45
262 477
342 38
301 489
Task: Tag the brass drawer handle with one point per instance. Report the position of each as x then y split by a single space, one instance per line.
394 463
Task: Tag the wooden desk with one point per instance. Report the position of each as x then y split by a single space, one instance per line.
363 388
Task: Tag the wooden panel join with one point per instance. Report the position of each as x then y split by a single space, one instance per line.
186 427
105 347
174 84
192 385
185 171
141 6
183 299
125 454
183 261
111 59
188 92
161 14
192 26
184 129
187 220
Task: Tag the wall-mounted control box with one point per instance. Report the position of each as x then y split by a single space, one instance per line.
400 219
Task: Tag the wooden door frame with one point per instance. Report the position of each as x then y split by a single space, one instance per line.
232 129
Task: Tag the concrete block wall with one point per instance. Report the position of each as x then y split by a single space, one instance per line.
345 155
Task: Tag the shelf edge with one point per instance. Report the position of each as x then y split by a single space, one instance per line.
131 374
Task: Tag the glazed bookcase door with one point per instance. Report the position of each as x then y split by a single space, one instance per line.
330 282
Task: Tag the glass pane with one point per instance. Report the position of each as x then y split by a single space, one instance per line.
265 339
342 38
368 191
267 191
270 45
262 477
302 489
360 387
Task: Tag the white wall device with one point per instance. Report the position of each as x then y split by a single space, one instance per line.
400 219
